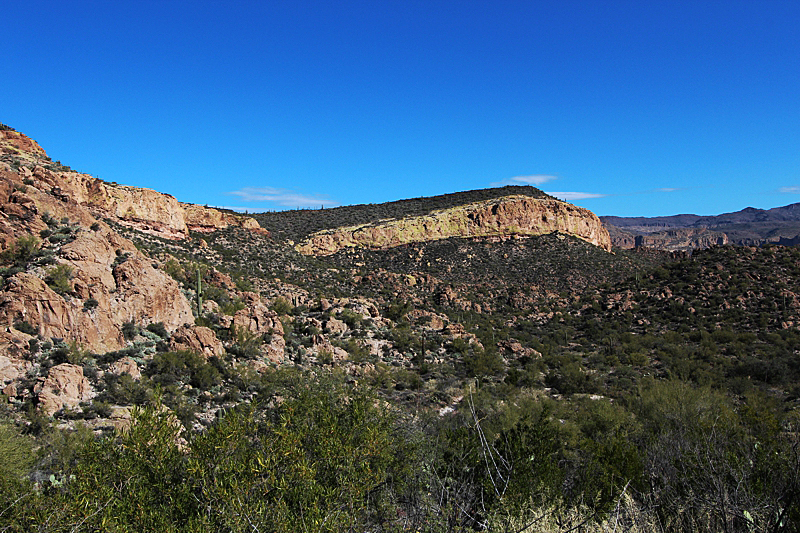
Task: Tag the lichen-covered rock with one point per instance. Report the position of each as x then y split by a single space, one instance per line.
515 214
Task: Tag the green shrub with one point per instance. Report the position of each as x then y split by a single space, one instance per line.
22 251
129 330
25 327
281 306
168 368
159 329
58 279
247 343
16 450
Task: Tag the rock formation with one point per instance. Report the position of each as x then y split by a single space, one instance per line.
197 339
144 209
516 214
65 387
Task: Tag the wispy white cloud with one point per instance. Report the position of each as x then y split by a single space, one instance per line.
533 179
571 196
667 189
789 190
282 197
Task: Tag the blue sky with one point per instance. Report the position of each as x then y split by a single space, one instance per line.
626 108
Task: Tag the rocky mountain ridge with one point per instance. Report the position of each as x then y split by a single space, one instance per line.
508 215
748 227
144 209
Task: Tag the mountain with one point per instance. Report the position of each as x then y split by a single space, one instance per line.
748 227
521 210
463 362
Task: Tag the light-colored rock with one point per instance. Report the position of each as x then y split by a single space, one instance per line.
13 365
514 214
120 418
65 387
257 317
126 365
197 339
335 326
205 220
275 351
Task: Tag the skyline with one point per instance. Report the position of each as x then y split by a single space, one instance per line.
623 108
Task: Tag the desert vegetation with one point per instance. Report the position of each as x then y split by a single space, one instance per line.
498 384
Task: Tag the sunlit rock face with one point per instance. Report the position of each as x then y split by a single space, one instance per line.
509 215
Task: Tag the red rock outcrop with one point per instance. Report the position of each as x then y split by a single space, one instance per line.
16 143
516 214
65 386
197 339
144 209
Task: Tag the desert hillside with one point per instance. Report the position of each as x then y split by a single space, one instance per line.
479 361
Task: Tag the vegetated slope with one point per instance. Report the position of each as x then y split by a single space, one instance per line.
494 273
726 317
390 390
298 224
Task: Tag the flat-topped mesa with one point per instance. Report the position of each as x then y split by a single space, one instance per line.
508 215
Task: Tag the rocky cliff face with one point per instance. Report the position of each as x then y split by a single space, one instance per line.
106 281
144 209
107 270
672 240
516 214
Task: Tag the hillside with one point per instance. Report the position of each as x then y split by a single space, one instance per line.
170 367
299 224
748 227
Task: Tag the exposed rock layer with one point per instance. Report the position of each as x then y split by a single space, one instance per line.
673 240
145 209
515 214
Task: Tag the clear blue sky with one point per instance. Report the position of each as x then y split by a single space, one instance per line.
628 108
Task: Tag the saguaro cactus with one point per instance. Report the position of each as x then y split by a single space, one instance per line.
199 293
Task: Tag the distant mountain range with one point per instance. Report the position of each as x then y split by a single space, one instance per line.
748 227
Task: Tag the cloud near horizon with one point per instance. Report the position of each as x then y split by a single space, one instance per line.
533 179
570 196
789 190
282 197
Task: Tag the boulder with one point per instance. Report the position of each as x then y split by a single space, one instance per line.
126 365
198 339
257 317
65 387
335 326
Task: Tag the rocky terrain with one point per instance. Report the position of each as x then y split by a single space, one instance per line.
507 215
748 227
384 365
